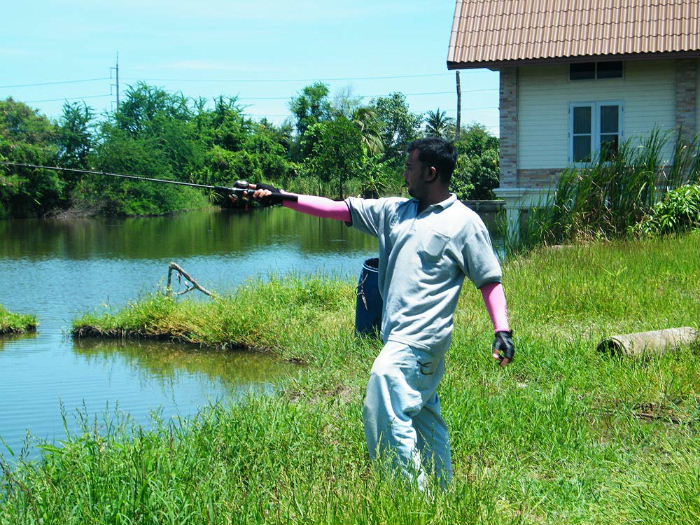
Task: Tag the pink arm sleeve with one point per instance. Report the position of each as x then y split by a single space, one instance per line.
321 207
495 301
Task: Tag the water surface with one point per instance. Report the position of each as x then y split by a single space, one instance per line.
59 270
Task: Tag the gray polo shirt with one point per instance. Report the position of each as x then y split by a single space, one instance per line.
423 259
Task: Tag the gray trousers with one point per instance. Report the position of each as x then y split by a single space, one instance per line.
402 412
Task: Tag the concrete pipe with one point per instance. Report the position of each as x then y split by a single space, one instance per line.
644 343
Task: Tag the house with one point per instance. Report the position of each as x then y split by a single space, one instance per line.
577 77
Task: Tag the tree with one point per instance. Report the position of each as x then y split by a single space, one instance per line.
144 107
345 104
153 133
228 126
366 120
75 134
27 137
437 124
336 152
399 125
477 172
262 158
283 134
150 156
75 140
311 106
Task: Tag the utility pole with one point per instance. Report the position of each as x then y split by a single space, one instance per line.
116 69
459 107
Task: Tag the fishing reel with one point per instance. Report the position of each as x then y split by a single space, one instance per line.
247 189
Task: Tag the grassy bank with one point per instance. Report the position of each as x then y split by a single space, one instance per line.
11 323
564 435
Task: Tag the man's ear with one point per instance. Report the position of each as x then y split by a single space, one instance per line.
432 173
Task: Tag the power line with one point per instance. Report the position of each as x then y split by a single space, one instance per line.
371 96
288 97
251 80
262 80
355 96
281 98
55 82
64 98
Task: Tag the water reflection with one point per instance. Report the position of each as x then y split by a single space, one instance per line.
9 338
198 233
166 362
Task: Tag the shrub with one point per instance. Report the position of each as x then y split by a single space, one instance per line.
678 212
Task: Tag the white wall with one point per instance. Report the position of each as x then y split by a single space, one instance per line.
647 92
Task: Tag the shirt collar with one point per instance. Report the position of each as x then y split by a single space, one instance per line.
449 201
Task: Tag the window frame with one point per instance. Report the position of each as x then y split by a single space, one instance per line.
595 127
595 77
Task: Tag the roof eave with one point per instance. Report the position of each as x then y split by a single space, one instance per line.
499 64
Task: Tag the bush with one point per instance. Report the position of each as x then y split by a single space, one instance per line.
678 212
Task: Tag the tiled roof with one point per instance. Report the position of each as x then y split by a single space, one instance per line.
500 32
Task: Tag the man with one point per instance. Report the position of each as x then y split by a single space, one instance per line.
427 245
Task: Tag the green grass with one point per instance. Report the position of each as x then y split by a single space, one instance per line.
11 323
563 435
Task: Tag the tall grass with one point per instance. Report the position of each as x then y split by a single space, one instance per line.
12 323
609 196
563 435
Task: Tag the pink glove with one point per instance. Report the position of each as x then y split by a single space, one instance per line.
495 301
321 207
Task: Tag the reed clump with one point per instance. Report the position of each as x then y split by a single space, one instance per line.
609 197
563 435
13 323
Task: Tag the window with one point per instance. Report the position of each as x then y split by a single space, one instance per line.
582 71
595 129
593 70
608 69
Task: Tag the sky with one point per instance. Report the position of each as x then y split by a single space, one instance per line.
263 52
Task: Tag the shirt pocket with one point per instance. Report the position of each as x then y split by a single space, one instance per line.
433 246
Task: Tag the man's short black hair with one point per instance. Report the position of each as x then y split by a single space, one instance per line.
436 152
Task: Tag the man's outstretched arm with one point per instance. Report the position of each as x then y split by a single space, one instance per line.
320 207
309 204
495 301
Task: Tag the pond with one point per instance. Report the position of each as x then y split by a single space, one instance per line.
59 270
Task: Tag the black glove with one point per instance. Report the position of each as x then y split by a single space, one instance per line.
503 347
265 201
244 184
261 186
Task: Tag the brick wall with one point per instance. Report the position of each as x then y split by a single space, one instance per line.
542 178
686 97
508 104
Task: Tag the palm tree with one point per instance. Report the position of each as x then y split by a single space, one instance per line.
366 119
437 123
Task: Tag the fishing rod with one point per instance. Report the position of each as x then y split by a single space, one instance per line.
241 188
